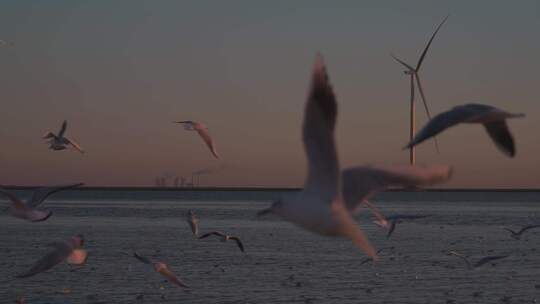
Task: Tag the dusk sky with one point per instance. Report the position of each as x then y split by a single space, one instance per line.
121 72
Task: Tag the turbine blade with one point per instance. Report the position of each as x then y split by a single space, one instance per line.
410 68
429 43
426 107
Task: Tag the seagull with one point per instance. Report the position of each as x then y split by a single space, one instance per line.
320 207
28 211
193 222
224 238
413 73
162 269
70 250
59 141
517 235
480 262
397 219
493 119
203 133
366 260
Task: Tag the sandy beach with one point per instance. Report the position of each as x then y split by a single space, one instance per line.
283 264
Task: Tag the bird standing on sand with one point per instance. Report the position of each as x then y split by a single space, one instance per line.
320 206
517 235
480 262
193 222
162 269
59 141
203 133
224 237
28 211
70 250
493 119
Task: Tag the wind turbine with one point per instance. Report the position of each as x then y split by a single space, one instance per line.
415 77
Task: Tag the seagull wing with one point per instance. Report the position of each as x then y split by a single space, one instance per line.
74 145
238 242
203 132
489 259
527 228
63 129
449 119
211 233
49 135
392 228
461 256
162 269
142 259
501 136
512 231
318 136
429 44
361 183
61 252
42 193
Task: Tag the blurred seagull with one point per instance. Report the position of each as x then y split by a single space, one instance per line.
28 210
203 132
320 206
162 269
69 250
413 73
517 235
493 119
193 222
397 219
224 238
480 262
59 141
366 260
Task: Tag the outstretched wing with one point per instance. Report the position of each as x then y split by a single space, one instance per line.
528 227
211 233
448 119
489 259
203 132
63 129
142 259
74 145
42 193
162 269
391 230
461 256
238 242
501 136
361 183
61 252
318 135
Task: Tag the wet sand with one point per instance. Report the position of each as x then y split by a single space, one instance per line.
283 264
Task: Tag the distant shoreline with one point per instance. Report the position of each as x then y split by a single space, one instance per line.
263 189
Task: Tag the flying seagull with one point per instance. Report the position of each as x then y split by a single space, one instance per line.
162 269
480 262
225 238
320 207
415 77
59 141
70 250
28 211
203 132
493 119
517 235
193 222
397 219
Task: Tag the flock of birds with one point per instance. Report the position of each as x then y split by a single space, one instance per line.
331 196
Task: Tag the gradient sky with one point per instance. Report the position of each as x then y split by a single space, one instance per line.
121 71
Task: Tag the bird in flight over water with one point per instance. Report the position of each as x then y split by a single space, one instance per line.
59 141
203 133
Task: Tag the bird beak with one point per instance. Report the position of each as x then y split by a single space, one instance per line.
264 212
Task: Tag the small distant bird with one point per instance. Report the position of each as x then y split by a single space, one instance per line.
398 219
517 235
480 262
366 260
203 132
70 250
28 210
193 222
493 119
224 238
59 141
322 206
162 269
